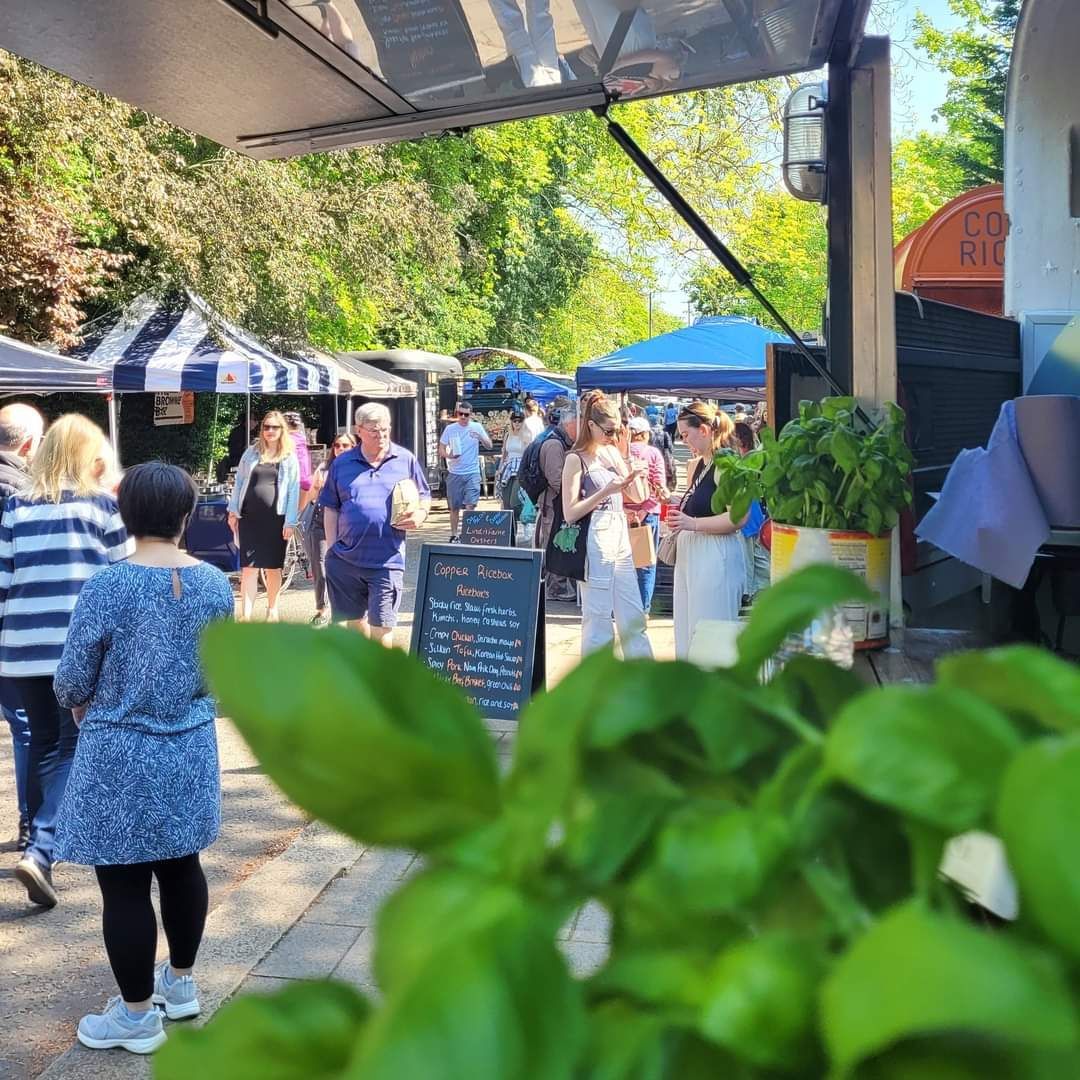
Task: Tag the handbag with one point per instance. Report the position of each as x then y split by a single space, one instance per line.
668 550
642 546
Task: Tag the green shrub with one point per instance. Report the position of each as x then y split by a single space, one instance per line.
768 854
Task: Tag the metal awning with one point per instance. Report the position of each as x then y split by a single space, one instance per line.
362 380
274 78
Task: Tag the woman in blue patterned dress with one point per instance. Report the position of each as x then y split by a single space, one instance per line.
143 796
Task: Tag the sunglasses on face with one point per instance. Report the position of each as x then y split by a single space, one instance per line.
609 432
271 427
464 414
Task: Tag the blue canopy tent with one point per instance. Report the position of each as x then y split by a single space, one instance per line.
709 359
545 388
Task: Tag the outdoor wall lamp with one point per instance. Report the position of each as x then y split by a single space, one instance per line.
804 163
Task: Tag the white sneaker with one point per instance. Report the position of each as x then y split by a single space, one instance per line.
115 1028
179 1000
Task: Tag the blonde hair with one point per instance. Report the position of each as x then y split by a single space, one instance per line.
596 406
285 445
701 414
74 456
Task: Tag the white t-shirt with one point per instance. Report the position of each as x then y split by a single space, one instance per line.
533 426
464 444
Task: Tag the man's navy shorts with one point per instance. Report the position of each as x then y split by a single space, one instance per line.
363 592
462 489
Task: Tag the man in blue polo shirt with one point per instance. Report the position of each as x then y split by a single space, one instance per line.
365 554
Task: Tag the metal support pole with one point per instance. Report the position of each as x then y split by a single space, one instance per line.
349 414
114 424
715 245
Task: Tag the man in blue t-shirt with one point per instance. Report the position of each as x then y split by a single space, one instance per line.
365 549
460 446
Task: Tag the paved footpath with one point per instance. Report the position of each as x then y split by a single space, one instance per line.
289 899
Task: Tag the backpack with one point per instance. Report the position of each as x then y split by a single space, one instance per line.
531 478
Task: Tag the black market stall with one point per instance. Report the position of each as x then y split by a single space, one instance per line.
416 421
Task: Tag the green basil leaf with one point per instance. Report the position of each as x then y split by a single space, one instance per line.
1020 679
845 449
761 999
969 1057
492 1003
739 507
831 407
625 1043
1037 816
431 911
391 755
917 973
708 862
618 807
674 979
816 688
935 753
791 605
308 1031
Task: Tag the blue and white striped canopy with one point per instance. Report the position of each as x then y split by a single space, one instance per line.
177 344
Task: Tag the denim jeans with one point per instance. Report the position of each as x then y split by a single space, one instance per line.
53 736
646 576
15 715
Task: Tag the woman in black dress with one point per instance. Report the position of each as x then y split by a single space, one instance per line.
263 511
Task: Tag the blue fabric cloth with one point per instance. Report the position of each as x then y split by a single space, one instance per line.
288 485
144 784
754 520
47 552
989 514
362 495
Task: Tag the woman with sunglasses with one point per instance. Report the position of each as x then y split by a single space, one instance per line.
596 472
315 534
514 442
263 509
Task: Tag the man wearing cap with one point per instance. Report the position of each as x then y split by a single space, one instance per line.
460 445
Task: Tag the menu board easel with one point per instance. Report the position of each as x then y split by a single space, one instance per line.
479 622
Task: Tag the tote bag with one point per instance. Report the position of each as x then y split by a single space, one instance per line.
567 545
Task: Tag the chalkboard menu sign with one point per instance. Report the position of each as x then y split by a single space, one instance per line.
425 47
479 622
488 528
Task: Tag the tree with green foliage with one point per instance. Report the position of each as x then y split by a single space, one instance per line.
976 57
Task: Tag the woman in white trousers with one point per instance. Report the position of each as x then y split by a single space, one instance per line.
594 477
710 569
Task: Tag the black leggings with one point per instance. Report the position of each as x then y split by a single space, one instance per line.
130 926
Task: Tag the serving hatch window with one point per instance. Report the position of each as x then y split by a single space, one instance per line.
439 53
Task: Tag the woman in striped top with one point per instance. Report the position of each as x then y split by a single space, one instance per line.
51 541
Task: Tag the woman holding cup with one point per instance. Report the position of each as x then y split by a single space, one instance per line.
710 571
596 473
